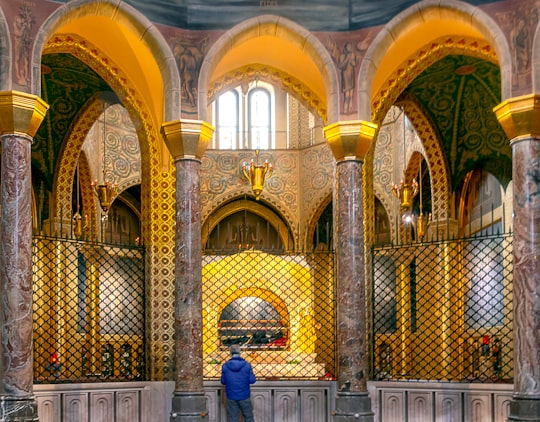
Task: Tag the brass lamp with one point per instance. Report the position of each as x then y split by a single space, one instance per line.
256 174
105 191
77 220
405 192
77 225
422 220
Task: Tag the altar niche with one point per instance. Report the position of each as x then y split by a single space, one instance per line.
278 308
252 323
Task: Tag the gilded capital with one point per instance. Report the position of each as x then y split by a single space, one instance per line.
520 116
350 140
187 138
21 113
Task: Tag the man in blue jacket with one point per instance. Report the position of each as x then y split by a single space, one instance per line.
237 376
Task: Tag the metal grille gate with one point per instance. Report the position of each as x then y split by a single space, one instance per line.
442 310
278 307
88 306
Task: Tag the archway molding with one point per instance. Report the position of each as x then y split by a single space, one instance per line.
133 43
397 49
294 50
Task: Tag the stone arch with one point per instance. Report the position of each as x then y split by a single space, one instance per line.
438 168
5 54
231 185
273 76
388 95
147 132
262 293
313 218
287 31
468 18
240 204
129 24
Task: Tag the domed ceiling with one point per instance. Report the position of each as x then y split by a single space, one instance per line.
458 94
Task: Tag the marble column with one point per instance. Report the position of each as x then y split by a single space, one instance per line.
20 116
349 141
520 118
187 141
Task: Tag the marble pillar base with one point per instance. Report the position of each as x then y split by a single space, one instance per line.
353 407
188 407
524 410
18 409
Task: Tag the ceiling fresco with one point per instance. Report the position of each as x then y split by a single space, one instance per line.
314 15
458 94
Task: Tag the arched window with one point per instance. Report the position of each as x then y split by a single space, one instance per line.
259 118
227 116
244 117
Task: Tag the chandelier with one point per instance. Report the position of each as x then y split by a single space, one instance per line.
105 191
256 173
405 192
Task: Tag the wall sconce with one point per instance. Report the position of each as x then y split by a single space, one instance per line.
256 174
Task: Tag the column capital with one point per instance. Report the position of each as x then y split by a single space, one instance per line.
187 138
350 140
520 116
21 113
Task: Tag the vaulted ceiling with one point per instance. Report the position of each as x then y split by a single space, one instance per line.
458 94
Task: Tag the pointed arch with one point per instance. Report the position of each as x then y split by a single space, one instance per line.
147 131
438 167
220 213
314 217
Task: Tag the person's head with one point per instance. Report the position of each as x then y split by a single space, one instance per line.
234 349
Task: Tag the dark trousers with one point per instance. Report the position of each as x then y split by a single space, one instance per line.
235 407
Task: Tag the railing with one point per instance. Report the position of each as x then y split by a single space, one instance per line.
88 311
442 310
279 307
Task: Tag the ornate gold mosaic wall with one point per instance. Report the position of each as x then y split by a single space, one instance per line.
158 201
299 187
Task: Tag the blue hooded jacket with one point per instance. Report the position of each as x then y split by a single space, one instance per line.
236 376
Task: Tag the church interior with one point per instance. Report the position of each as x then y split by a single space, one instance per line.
348 190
